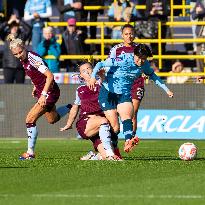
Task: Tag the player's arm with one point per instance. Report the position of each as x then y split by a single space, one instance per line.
157 80
71 118
34 91
98 67
109 62
73 113
49 82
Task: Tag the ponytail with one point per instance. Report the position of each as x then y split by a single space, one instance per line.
10 37
14 42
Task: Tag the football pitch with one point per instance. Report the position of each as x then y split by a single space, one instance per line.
151 175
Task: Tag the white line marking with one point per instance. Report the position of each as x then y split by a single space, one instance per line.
120 196
9 141
15 142
151 196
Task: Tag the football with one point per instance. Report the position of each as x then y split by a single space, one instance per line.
187 151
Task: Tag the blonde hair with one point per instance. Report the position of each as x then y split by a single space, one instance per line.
14 42
48 29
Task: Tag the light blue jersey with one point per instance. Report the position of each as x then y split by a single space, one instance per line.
42 7
122 71
69 13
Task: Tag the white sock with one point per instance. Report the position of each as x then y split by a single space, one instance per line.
32 137
105 137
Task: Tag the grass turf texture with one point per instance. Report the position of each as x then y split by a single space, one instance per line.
151 174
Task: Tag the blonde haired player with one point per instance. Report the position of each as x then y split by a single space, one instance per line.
45 90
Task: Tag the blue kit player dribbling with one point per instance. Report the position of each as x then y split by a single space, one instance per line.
115 93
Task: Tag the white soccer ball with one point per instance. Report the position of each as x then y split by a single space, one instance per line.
187 151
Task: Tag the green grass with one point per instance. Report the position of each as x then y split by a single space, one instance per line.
152 174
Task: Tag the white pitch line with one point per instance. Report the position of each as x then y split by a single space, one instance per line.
10 141
121 196
15 142
151 196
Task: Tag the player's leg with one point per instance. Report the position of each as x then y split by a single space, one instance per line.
98 146
108 103
100 124
54 114
113 119
32 132
137 93
63 110
102 152
114 139
93 124
125 111
136 105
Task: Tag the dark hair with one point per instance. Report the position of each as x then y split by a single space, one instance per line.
126 1
127 26
79 65
84 62
13 23
143 50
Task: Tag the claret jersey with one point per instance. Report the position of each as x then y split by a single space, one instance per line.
34 67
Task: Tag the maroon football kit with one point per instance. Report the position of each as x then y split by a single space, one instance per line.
34 67
88 101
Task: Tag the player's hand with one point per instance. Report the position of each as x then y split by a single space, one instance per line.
66 127
91 83
42 101
170 94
